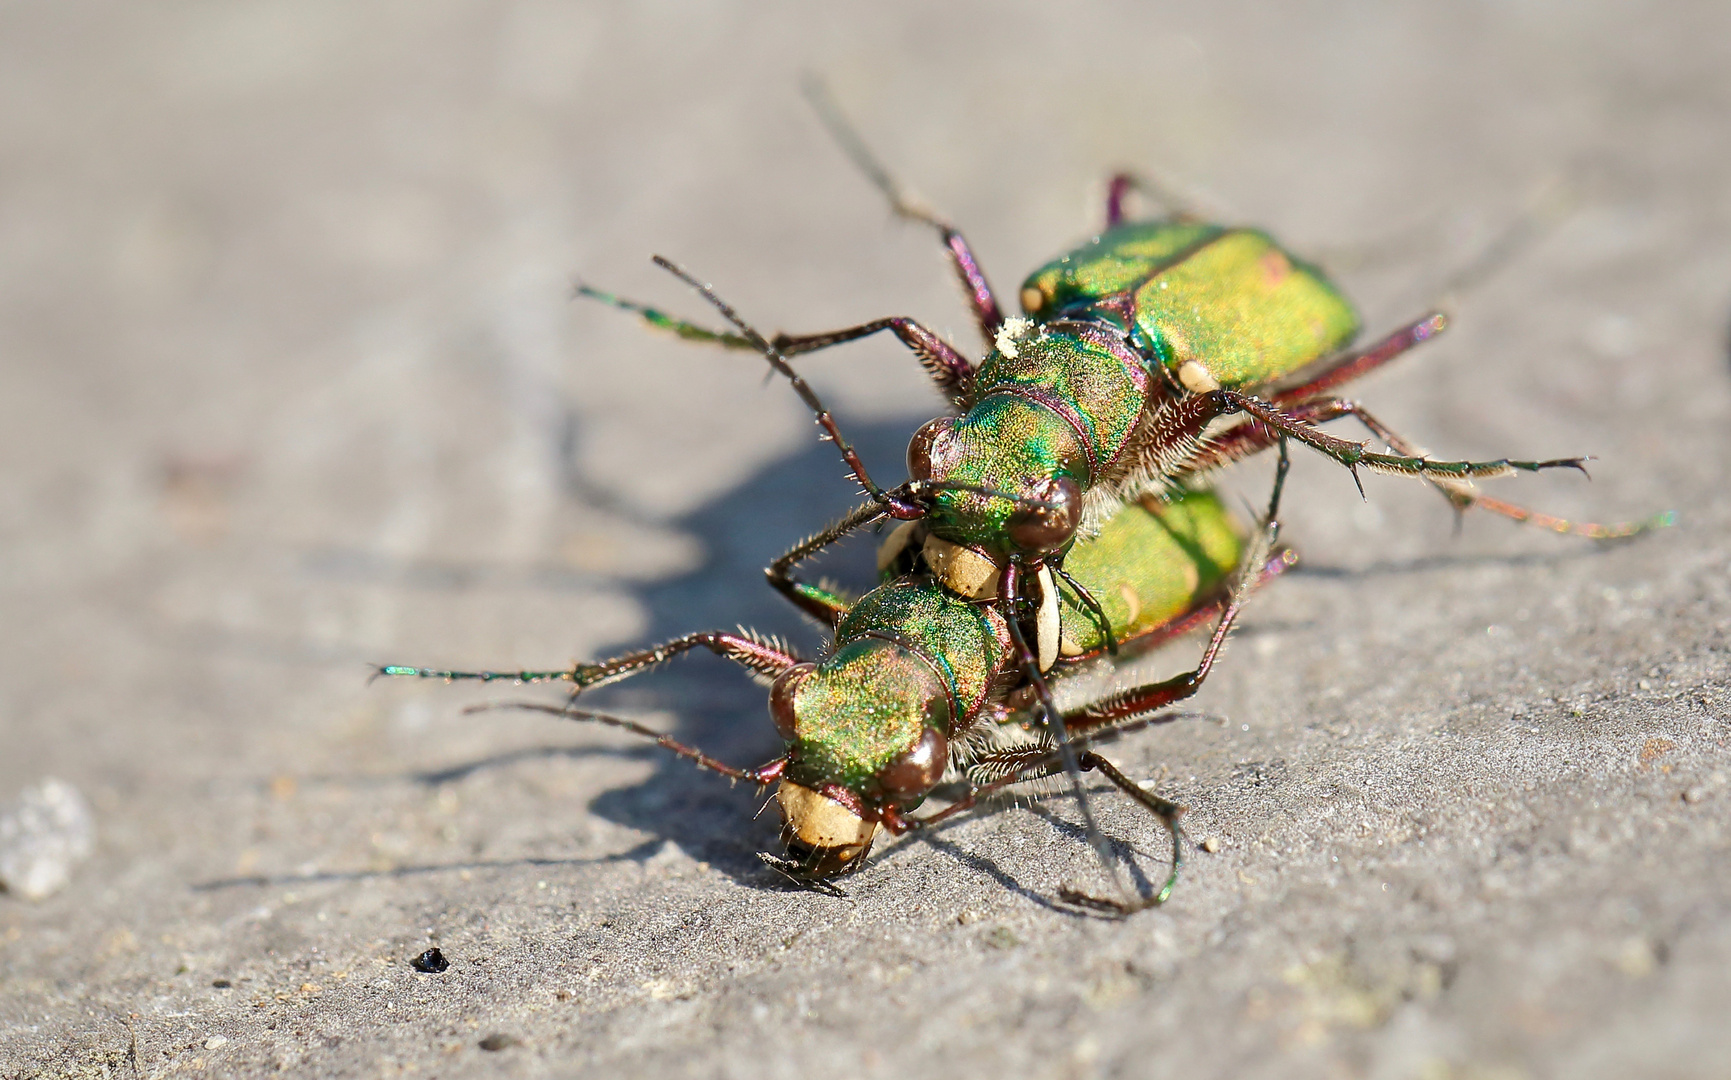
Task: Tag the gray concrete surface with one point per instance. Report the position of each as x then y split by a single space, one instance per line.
291 382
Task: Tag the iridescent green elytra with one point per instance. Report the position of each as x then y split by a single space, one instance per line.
1230 300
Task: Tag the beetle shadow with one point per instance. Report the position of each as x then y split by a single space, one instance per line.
717 707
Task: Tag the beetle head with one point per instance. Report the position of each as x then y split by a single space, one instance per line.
864 734
974 500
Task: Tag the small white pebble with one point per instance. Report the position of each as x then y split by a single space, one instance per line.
215 1042
43 835
1211 845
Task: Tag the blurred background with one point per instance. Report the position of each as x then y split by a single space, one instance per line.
293 382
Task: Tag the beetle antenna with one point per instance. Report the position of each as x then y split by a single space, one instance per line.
386 671
897 507
759 776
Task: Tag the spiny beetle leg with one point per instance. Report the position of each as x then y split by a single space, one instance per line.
949 369
905 502
1126 705
1144 701
1463 497
987 312
661 320
404 671
1353 455
766 657
1248 439
895 506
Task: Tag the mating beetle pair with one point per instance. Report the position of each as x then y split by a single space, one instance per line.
1068 465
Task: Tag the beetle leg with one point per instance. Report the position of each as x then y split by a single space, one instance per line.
1463 497
1164 809
1354 455
661 320
1130 704
949 369
1117 188
1129 708
987 313
404 671
1205 612
764 657
820 603
1143 702
1054 723
1345 367
1248 439
1122 184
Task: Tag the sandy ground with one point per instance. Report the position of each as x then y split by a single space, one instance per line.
292 382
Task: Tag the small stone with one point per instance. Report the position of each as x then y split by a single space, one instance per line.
1696 794
43 835
1212 845
215 1042
431 962
499 1041
221 984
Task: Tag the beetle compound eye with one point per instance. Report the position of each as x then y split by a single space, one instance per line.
917 771
1042 529
927 449
781 695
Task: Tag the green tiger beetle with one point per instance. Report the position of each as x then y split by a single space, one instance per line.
1131 352
1109 391
920 681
